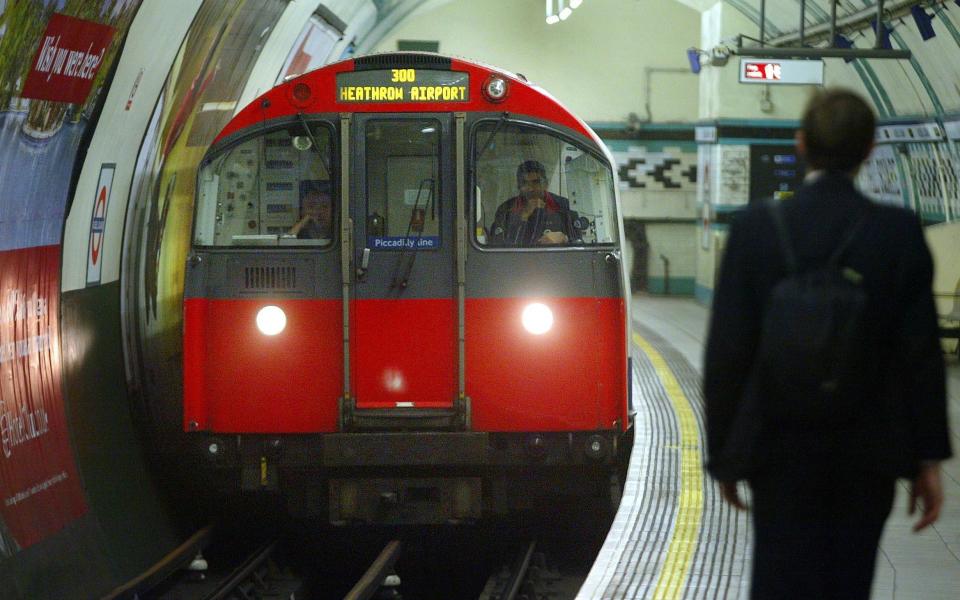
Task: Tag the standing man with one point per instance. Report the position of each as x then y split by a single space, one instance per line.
534 217
822 487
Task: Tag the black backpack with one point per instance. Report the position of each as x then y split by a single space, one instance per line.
814 355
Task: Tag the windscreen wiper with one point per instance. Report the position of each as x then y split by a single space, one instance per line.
503 119
404 266
316 147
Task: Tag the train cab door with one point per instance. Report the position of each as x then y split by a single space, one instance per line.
403 312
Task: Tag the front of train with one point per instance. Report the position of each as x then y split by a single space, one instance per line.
404 300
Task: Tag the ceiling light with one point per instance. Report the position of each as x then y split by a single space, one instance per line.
923 21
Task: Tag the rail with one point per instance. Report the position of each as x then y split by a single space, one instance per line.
519 573
378 571
165 567
251 571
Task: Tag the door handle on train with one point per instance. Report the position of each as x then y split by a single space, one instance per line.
613 257
364 263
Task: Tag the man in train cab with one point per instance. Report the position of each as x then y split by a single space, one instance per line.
316 212
821 454
534 217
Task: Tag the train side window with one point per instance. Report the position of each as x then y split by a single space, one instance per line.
402 184
275 189
535 188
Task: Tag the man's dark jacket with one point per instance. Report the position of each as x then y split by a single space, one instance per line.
903 418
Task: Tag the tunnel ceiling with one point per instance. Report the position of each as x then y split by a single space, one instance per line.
783 16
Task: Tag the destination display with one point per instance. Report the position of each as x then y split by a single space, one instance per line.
403 85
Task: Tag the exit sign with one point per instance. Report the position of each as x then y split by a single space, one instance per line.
775 71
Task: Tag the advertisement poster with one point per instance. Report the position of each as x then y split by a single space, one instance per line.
879 177
199 97
55 56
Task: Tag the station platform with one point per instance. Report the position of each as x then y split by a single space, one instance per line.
674 538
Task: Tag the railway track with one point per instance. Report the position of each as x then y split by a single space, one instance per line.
526 577
187 575
489 563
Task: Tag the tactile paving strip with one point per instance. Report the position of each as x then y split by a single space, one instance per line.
651 550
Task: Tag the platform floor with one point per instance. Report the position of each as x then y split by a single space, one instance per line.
674 538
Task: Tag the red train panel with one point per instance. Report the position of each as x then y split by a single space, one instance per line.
564 380
238 380
404 351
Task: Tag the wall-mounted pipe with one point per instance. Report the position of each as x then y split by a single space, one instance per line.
648 82
666 274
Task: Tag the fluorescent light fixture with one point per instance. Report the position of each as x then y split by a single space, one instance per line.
884 34
840 41
575 3
923 21
553 19
565 13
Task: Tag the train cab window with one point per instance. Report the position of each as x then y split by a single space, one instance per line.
534 188
275 189
402 184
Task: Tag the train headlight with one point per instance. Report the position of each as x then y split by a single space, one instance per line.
537 318
495 88
271 320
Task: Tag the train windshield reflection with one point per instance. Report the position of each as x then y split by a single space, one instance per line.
273 189
534 188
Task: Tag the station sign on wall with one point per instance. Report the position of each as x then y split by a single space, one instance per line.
781 71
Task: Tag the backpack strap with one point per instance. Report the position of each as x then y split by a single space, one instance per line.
783 236
834 259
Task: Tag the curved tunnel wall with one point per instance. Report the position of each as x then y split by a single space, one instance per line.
78 511
82 510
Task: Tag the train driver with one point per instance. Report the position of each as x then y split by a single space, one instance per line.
534 216
316 211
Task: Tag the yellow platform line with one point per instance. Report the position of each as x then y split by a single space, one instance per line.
683 543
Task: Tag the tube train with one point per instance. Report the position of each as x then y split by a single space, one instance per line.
404 299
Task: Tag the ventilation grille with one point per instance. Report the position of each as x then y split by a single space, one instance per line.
270 278
401 59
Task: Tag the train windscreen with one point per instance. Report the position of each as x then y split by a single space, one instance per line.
533 187
276 188
403 208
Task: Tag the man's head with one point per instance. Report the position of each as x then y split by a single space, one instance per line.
318 206
837 131
531 179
